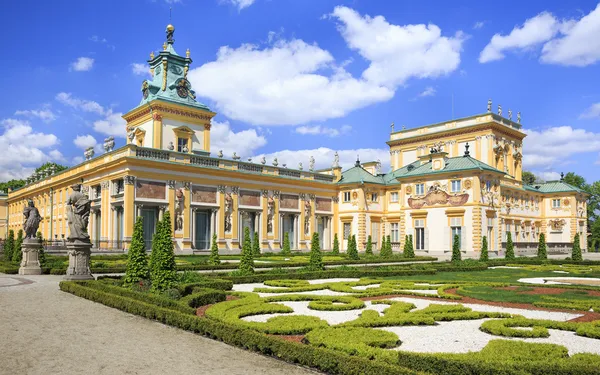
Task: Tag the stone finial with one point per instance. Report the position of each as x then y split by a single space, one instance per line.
185 149
311 164
392 126
275 162
89 153
467 153
510 114
220 154
249 160
489 105
499 110
518 117
263 160
151 55
336 160
235 156
300 166
187 53
562 176
284 165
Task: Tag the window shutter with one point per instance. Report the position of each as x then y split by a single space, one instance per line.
447 246
463 238
426 241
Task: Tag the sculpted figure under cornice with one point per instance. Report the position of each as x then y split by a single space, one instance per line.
221 188
276 194
235 190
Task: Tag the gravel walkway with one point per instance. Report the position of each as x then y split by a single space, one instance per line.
46 331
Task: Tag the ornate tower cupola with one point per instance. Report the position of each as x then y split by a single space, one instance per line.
168 116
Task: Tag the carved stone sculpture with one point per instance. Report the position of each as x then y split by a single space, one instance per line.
275 162
78 213
109 144
263 160
235 156
311 164
489 105
31 220
336 160
510 114
499 110
220 154
306 217
518 117
89 153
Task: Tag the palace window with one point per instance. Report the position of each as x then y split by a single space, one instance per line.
394 232
517 228
490 231
346 196
420 189
97 192
374 232
182 145
555 203
394 196
581 228
455 186
420 234
119 186
347 227
374 197
456 230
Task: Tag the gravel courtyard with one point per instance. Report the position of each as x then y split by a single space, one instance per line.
46 331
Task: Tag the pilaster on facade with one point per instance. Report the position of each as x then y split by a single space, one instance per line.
362 226
477 229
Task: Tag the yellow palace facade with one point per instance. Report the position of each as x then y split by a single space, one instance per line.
460 177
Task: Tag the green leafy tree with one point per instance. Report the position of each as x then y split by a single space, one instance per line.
336 244
409 251
286 250
456 254
352 249
256 245
163 273
386 251
484 256
41 252
316 258
137 261
9 246
214 258
369 248
542 252
576 254
528 178
383 245
510 247
17 255
247 262
16 184
155 254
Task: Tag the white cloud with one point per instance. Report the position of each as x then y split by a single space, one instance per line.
592 112
85 141
547 175
82 64
552 146
397 53
240 4
478 25
318 129
97 39
429 91
283 84
25 149
140 69
580 45
45 114
324 157
77 160
112 124
244 142
81 104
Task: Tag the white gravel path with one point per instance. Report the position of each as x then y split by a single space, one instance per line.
464 336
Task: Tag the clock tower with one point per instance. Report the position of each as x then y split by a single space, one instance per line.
168 116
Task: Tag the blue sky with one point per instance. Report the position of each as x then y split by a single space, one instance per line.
294 79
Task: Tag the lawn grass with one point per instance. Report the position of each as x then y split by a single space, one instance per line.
486 293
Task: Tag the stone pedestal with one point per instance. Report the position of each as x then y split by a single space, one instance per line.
79 261
30 265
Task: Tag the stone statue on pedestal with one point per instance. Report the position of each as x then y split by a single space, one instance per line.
31 221
30 265
78 245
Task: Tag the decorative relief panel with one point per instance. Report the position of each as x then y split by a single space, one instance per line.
150 190
437 196
204 194
249 198
289 202
323 204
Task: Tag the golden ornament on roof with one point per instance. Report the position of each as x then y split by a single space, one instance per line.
170 27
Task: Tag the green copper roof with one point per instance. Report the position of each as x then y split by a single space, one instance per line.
358 174
553 187
456 164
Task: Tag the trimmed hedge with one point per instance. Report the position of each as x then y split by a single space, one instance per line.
203 296
211 283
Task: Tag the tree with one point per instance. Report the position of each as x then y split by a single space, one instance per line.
256 245
369 248
510 247
9 246
593 205
575 180
155 254
528 178
383 245
286 250
336 244
576 254
214 258
41 252
456 254
542 251
484 257
386 251
17 254
137 261
316 258
163 272
16 184
352 250
247 262
409 251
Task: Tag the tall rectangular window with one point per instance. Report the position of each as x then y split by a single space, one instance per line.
555 203
420 189
394 196
420 234
182 145
394 232
374 232
456 230
455 186
346 196
374 197
347 227
490 232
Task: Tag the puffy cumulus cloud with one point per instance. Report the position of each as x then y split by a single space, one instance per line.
68 99
244 142
324 157
44 114
85 141
82 64
282 84
592 112
112 124
569 42
140 69
547 175
323 130
579 45
541 147
24 149
397 53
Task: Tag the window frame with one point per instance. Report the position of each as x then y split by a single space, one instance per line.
394 232
452 189
394 197
556 200
348 234
346 194
420 187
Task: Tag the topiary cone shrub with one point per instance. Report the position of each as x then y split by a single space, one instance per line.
383 245
510 247
286 250
316 258
386 252
456 255
542 251
369 248
576 254
352 250
163 273
256 245
9 246
214 258
409 251
155 252
17 254
247 262
484 256
336 244
137 261
41 252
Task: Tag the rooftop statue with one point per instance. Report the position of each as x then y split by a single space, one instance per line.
489 105
78 214
31 221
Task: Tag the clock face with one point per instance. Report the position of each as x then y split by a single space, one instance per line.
183 89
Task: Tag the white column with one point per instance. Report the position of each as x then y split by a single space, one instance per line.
193 223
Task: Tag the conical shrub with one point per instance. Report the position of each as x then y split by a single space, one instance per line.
286 250
352 250
9 246
576 254
484 256
247 262
409 251
164 274
316 258
456 255
137 261
510 247
214 258
256 245
369 248
542 250
336 244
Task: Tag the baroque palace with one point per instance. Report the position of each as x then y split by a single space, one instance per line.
459 177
